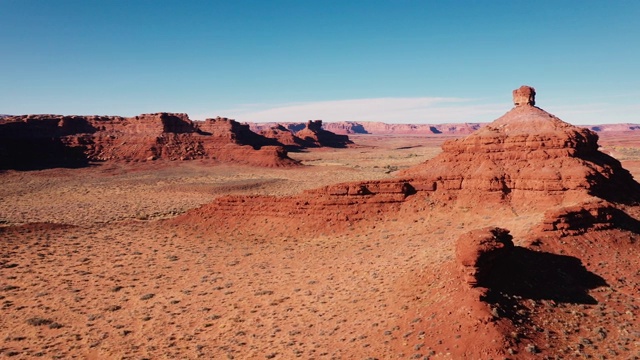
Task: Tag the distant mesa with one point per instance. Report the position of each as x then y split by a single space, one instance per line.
295 137
43 141
284 136
316 136
376 128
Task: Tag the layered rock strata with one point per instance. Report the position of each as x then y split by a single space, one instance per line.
285 137
316 136
527 160
378 128
527 157
40 141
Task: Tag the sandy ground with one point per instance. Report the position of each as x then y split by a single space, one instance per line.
148 190
88 271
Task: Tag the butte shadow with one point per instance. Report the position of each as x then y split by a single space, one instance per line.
536 275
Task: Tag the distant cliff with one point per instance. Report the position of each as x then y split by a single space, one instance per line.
380 128
377 128
44 141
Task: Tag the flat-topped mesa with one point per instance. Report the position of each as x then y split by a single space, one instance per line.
42 141
524 95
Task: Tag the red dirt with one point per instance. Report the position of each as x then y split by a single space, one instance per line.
360 269
524 162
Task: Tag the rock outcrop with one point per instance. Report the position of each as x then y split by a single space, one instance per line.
527 161
477 251
40 141
378 128
585 217
228 130
528 158
316 136
285 137
524 95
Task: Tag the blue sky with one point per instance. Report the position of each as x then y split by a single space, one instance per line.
392 61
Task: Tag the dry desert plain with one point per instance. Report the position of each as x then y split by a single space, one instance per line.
100 263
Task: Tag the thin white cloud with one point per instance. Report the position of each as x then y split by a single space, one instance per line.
389 110
430 110
597 113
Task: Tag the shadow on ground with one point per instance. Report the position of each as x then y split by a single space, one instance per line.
538 275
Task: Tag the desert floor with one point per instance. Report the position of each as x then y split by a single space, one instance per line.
90 267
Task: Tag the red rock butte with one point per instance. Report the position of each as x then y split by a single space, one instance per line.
310 136
569 203
40 141
527 160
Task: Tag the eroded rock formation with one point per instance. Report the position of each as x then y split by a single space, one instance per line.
285 137
527 157
527 160
478 250
316 136
378 128
524 95
40 141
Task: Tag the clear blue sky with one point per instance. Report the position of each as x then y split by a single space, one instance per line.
392 61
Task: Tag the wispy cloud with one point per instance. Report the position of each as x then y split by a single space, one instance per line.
596 113
416 110
389 110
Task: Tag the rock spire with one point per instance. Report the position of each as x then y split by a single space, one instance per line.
524 95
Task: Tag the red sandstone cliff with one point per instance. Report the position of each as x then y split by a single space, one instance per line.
378 128
313 133
37 141
527 160
285 137
316 136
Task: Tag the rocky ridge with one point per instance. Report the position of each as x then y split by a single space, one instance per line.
377 128
311 135
40 141
380 128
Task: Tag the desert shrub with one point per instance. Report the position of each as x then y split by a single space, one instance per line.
38 321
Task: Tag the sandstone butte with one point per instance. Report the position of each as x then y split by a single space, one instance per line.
40 141
380 128
310 136
571 204
376 128
528 160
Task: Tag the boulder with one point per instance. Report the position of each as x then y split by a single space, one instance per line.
478 250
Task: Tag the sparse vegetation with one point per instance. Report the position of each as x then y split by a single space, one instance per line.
38 321
258 290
